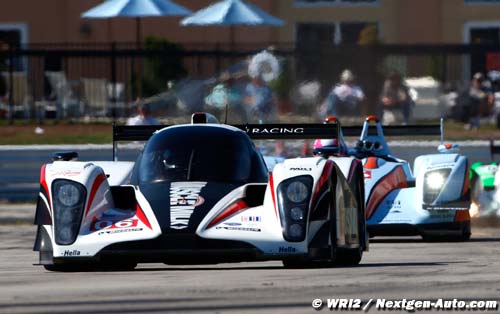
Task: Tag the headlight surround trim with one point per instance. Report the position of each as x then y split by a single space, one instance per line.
67 215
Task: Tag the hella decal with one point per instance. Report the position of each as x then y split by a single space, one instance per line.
71 253
286 249
184 198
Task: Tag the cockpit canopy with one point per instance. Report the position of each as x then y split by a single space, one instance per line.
200 153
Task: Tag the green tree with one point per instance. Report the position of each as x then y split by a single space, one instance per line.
160 69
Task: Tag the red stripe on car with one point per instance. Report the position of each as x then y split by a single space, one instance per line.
271 186
396 179
231 210
97 183
323 179
142 217
466 186
43 182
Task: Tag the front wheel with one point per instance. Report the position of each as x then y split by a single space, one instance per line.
349 256
461 236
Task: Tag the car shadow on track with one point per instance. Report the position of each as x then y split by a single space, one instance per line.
236 268
420 240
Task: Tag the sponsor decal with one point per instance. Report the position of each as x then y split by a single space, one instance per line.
232 224
238 228
275 131
65 173
286 249
111 223
367 174
251 219
393 204
440 166
184 198
442 214
112 231
437 207
71 253
300 169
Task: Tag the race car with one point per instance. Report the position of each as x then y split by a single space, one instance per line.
485 182
201 193
433 201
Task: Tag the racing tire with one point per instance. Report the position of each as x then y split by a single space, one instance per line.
463 236
344 256
298 263
90 267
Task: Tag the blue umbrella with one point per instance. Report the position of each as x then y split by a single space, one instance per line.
135 8
231 13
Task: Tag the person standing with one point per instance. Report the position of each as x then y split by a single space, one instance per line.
396 96
259 99
143 117
475 101
345 98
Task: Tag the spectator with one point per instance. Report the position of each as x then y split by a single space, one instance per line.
476 100
345 98
143 116
260 100
396 96
227 94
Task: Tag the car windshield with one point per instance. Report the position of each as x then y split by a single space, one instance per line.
199 153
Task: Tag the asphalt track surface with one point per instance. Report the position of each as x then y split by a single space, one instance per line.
393 269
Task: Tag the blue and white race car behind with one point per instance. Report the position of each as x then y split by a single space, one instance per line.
432 201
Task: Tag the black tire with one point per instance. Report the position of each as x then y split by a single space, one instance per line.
297 263
352 257
89 267
348 257
463 236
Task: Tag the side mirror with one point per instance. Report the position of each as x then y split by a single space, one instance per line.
64 156
448 148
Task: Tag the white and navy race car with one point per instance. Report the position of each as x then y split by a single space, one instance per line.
432 201
201 193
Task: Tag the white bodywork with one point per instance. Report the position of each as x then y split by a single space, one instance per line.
103 224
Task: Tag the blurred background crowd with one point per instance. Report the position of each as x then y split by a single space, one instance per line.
290 60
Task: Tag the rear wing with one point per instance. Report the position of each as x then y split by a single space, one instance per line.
254 131
494 149
395 130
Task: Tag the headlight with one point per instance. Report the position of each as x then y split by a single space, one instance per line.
435 180
68 194
297 192
294 196
297 214
296 231
69 201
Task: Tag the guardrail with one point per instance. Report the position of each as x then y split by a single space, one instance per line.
20 167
